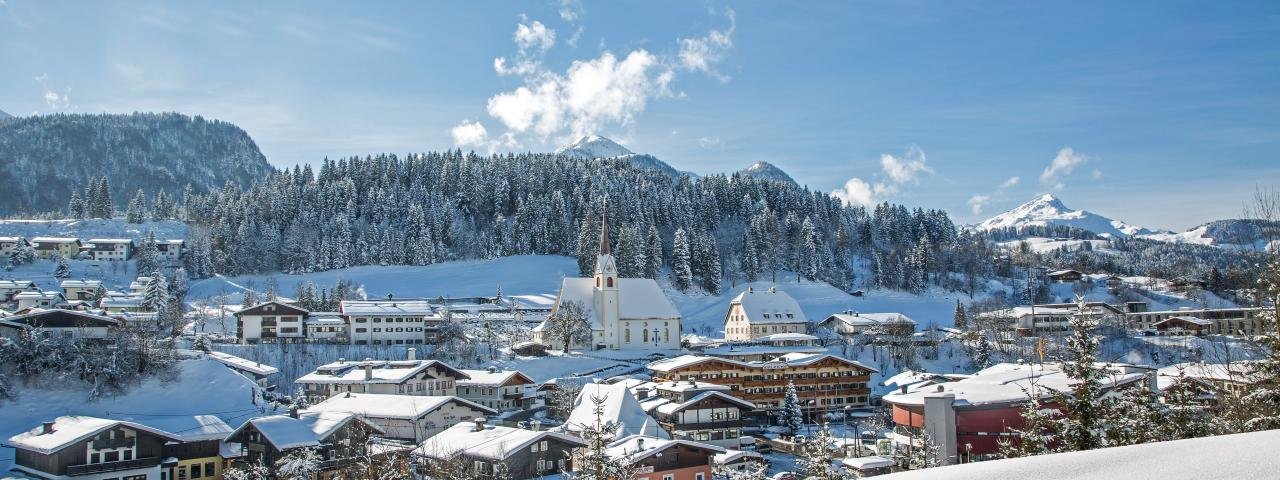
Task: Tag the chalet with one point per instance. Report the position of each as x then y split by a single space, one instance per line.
975 412
109 249
767 347
822 381
120 302
139 285
57 323
8 245
524 454
325 327
698 411
1211 380
619 408
9 288
1187 283
1115 282
50 248
405 377
198 453
270 322
392 321
1065 276
412 418
850 323
1033 321
82 289
39 299
624 313
98 448
1243 321
339 438
169 249
503 390
664 458
755 314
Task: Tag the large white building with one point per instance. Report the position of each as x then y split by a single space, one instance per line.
391 321
754 314
625 313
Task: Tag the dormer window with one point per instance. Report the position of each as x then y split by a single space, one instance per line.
766 315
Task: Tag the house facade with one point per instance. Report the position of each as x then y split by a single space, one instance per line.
75 447
397 377
10 288
624 313
697 411
10 244
82 289
754 314
502 390
50 248
339 438
69 324
850 323
109 249
658 458
270 322
390 322
822 381
484 449
412 418
39 299
1213 321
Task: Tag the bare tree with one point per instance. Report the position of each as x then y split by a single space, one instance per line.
569 324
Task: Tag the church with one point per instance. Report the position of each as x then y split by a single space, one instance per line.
624 313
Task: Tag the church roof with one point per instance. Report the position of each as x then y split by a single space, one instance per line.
638 298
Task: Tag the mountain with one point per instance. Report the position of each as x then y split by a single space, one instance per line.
595 146
5 115
1049 211
763 170
1241 234
44 158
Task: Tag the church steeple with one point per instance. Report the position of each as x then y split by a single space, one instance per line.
606 265
604 230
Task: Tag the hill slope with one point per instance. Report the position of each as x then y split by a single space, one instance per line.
594 146
1246 234
1049 211
44 158
763 170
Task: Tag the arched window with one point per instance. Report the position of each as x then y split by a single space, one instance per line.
597 282
609 281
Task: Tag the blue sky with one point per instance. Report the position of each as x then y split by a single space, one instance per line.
1164 114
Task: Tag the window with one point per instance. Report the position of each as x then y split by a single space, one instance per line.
94 458
609 282
544 445
195 471
111 457
209 469
182 472
699 476
360 320
668 477
128 454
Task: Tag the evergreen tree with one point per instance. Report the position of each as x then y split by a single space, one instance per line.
817 457
136 212
63 270
1132 417
1039 432
588 245
155 297
1081 402
961 322
75 208
148 256
653 254
681 269
792 415
982 353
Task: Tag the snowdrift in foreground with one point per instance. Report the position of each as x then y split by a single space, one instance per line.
201 387
1237 457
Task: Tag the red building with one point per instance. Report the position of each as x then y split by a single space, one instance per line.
968 417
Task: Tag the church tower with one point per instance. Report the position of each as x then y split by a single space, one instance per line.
606 289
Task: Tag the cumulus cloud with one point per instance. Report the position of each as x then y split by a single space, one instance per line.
906 168
469 134
571 10
1011 182
1062 165
592 94
897 170
54 99
709 142
1097 174
978 202
701 54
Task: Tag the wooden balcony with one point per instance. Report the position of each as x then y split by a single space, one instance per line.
104 467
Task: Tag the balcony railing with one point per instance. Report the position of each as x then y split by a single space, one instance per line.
91 468
105 443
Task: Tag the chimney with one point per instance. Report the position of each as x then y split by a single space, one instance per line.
46 428
479 423
413 353
535 425
368 372
493 369
902 389
639 444
751 290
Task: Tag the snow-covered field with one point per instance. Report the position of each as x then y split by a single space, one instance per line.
201 387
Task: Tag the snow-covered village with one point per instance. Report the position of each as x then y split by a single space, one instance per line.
589 240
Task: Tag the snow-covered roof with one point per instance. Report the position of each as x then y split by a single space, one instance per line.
672 408
485 378
383 371
619 408
1185 319
862 463
635 448
856 319
734 456
16 284
110 240
492 442
391 307
568 382
120 300
768 306
786 337
1018 312
1237 457
81 283
1246 371
638 298
324 318
744 350
10 239
372 405
308 430
189 428
1203 311
55 240
37 295
1011 383
256 368
542 301
69 430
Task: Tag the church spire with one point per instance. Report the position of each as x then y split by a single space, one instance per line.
604 229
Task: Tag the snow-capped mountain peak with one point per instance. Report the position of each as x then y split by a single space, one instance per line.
1048 210
763 170
593 146
5 115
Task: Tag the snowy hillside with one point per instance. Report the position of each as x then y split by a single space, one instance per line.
92 228
763 170
187 393
595 146
5 115
1240 234
1047 211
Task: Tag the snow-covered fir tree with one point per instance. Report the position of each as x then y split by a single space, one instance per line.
63 270
1083 412
791 417
817 456
681 269
1039 434
136 212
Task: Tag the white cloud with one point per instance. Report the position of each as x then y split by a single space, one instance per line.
856 192
703 53
52 98
978 202
571 10
469 134
1011 182
709 142
1062 165
533 36
1097 174
908 167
